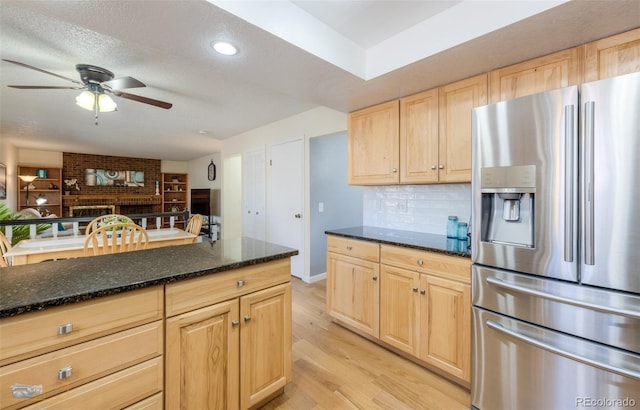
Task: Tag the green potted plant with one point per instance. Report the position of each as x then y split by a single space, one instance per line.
19 232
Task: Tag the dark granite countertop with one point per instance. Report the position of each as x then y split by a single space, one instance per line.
38 286
407 239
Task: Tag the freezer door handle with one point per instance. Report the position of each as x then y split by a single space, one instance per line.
568 182
562 352
589 124
575 302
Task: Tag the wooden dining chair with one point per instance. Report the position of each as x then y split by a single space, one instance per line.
5 246
109 218
194 224
115 238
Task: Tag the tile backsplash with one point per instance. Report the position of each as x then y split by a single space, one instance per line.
419 208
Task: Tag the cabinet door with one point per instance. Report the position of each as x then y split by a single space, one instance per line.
457 101
353 292
612 56
265 343
372 145
445 328
202 358
419 138
545 73
399 308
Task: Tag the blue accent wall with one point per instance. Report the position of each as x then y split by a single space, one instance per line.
343 204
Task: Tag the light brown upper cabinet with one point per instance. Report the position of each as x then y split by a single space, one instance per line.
419 138
457 101
435 132
426 136
612 56
541 74
373 144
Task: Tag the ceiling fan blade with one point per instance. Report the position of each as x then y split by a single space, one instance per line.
43 87
42 71
141 99
122 83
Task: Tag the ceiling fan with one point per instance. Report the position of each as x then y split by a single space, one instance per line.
97 82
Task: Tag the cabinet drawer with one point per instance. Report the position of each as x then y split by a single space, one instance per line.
36 333
353 247
451 267
87 361
207 290
155 402
114 391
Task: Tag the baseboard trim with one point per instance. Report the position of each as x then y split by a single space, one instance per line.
316 278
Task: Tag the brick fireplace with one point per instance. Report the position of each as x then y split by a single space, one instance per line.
122 199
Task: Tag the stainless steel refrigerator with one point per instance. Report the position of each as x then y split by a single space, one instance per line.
556 249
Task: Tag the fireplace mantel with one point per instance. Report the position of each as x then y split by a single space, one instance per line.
71 200
118 203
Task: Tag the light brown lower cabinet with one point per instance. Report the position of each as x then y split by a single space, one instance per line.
445 325
424 303
425 307
234 353
203 358
103 353
427 317
219 341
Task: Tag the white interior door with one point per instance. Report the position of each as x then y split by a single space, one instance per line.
286 200
253 184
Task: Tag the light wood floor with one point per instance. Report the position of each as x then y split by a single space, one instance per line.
334 368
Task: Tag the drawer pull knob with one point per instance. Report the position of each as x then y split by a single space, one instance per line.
375 278
247 319
420 262
423 292
66 328
414 289
235 323
349 248
64 373
25 391
240 283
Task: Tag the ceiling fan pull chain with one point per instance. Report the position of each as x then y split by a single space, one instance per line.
96 107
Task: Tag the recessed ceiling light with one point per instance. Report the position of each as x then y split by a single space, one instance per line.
224 48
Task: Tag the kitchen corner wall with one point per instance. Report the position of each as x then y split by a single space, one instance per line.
418 208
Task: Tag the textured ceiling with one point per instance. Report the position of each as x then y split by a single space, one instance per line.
166 45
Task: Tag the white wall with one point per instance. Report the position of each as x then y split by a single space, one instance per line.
232 197
316 122
9 157
197 170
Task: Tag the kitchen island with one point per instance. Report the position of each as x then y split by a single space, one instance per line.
408 291
107 329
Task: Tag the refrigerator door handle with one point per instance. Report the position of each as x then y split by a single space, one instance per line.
634 314
589 131
535 342
568 182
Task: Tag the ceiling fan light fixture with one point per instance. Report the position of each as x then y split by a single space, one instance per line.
225 48
86 100
106 103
